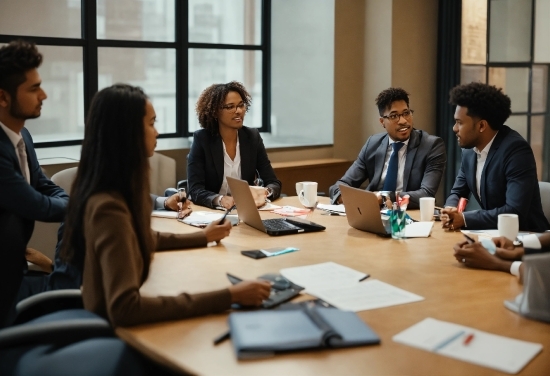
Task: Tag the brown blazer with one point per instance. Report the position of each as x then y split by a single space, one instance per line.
113 267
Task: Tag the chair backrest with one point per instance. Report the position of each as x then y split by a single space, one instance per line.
545 198
163 173
65 178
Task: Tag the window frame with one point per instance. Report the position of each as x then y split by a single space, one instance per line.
90 45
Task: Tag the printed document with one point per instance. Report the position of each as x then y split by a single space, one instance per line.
324 275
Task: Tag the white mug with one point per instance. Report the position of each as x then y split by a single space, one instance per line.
307 193
427 206
508 226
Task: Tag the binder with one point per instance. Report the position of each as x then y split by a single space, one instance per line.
294 327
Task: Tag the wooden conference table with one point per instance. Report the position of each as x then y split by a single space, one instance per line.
424 266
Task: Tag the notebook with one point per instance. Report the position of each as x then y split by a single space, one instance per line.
249 214
294 327
363 213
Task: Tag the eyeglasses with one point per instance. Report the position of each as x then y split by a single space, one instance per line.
233 108
407 114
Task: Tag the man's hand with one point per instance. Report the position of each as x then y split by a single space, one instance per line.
250 293
39 259
227 202
381 200
173 201
452 219
215 232
476 256
506 249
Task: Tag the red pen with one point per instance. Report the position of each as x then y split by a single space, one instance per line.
462 204
468 339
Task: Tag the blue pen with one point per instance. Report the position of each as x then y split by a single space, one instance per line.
449 340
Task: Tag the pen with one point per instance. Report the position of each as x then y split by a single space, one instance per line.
224 336
470 240
468 339
365 277
225 214
448 340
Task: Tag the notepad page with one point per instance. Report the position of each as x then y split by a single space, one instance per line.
485 349
326 274
362 296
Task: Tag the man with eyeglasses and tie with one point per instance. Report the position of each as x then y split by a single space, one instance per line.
402 159
26 194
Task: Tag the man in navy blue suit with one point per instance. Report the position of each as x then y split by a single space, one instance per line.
26 194
498 166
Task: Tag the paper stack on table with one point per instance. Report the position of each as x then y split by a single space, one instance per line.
342 288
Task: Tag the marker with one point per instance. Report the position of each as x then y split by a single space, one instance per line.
468 339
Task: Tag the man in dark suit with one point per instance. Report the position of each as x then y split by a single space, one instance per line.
26 194
401 159
498 166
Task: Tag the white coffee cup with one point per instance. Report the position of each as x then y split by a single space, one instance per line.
307 193
427 206
508 226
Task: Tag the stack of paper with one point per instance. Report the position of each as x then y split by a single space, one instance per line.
291 211
470 345
334 209
342 288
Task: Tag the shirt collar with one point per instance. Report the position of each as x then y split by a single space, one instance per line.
390 141
486 148
14 137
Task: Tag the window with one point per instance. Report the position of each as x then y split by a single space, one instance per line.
282 51
516 57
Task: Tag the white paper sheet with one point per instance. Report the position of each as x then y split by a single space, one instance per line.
203 218
164 214
326 274
332 208
370 294
268 206
485 349
418 229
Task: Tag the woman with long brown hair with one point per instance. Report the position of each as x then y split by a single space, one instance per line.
108 234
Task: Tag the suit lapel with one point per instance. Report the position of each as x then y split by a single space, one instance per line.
379 159
471 160
216 148
246 160
29 148
492 151
411 152
8 146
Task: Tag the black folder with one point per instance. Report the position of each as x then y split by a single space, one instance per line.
293 327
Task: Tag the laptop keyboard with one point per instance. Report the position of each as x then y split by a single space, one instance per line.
278 224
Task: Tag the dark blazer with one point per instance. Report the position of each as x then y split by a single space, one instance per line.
424 166
205 164
20 205
509 184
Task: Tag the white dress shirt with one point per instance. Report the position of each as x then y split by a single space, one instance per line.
231 167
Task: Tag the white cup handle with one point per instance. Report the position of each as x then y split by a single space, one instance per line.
302 198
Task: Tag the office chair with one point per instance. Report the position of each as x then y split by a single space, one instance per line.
545 198
47 302
163 173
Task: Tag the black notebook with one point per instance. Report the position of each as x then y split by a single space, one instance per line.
295 327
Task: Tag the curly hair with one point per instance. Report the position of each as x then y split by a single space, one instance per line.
483 101
211 101
16 59
388 96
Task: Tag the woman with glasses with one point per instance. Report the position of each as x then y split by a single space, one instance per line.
225 147
108 232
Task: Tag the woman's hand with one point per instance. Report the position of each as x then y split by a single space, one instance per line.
250 293
215 232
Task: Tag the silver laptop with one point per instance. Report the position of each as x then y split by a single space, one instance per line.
363 211
246 208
